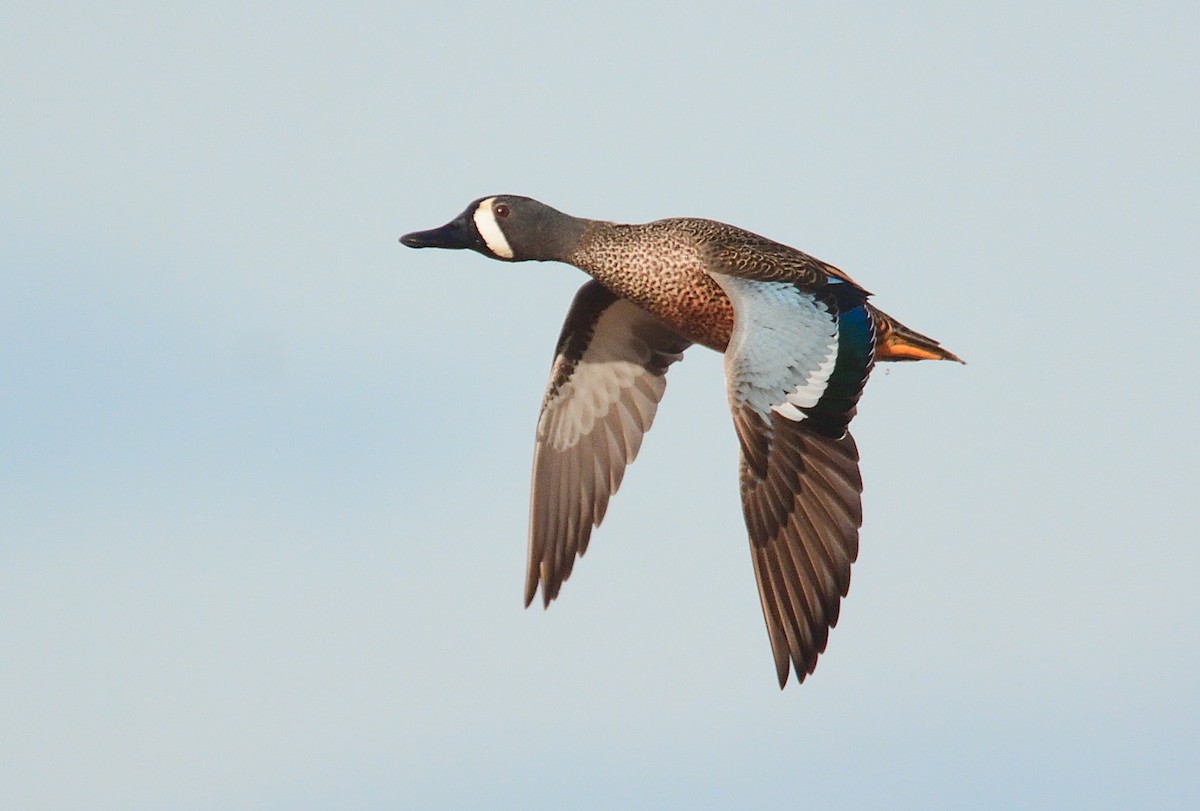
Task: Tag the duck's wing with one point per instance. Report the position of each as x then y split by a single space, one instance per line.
607 379
795 367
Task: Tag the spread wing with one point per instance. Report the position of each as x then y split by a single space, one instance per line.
795 367
607 379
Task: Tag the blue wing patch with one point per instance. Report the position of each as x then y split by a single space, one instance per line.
856 356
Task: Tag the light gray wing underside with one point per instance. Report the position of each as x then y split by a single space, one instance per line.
605 385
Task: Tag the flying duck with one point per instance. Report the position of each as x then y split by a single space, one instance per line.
799 339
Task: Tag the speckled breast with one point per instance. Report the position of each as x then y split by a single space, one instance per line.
659 269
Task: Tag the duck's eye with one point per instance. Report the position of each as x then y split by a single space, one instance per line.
501 210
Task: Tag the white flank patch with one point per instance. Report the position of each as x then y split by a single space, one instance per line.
489 229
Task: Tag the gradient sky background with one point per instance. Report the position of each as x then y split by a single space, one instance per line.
263 471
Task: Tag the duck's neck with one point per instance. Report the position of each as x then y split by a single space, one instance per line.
553 237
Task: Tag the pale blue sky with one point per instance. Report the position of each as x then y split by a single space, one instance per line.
263 471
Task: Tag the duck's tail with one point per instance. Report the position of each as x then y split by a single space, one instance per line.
894 341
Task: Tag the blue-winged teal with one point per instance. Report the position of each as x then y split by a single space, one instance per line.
799 340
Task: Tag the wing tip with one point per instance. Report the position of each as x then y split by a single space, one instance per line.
790 666
549 586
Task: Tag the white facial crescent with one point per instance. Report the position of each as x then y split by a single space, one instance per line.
489 229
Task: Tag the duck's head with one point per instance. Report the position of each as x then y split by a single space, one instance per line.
506 227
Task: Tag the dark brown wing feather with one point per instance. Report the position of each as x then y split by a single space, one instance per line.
803 513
